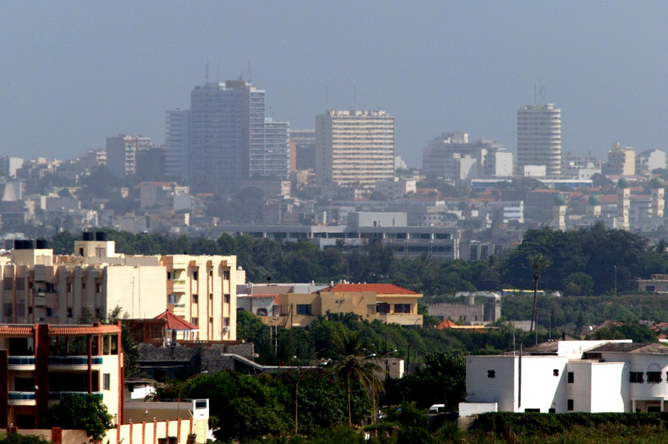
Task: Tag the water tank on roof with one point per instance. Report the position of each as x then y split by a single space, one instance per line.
87 236
100 236
42 244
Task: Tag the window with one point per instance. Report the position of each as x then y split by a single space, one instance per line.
69 287
555 372
170 275
155 332
98 288
402 308
637 377
261 312
69 313
8 310
226 322
195 321
226 298
171 299
571 378
195 275
491 373
81 251
226 275
654 377
21 309
20 284
650 288
195 299
532 410
106 378
304 309
570 405
552 410
9 284
49 312
382 307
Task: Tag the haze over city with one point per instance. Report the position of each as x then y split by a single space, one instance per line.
74 73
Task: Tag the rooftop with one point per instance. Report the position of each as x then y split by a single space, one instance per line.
375 288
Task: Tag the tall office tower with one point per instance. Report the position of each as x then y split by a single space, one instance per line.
226 136
354 148
539 137
178 145
302 149
122 153
277 149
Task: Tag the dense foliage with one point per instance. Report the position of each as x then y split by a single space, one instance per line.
81 412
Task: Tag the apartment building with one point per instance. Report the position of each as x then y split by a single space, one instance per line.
621 161
354 148
387 303
38 286
40 363
122 153
539 137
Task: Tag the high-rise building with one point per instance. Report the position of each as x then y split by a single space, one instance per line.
354 148
122 153
226 134
178 145
539 137
302 149
276 162
151 164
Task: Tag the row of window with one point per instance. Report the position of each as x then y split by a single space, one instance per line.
634 377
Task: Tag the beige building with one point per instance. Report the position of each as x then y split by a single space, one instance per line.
354 148
387 303
621 161
38 286
539 137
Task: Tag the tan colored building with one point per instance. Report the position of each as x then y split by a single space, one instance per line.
387 303
38 286
354 148
621 161
657 284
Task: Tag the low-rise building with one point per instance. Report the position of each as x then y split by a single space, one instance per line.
387 303
571 376
657 284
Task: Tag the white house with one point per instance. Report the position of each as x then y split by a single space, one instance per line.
570 376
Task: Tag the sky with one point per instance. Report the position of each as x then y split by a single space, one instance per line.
75 72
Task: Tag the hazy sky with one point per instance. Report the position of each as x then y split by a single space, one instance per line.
74 72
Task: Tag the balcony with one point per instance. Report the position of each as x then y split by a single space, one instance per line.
74 361
21 363
21 398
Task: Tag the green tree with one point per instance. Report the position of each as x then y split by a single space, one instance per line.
81 412
578 284
538 263
352 363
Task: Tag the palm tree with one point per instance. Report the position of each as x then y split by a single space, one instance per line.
537 263
352 362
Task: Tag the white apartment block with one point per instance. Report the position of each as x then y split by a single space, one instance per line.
38 286
395 188
650 160
571 376
354 148
539 137
621 161
122 153
451 156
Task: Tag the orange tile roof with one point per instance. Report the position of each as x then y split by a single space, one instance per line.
376 288
176 323
445 324
16 330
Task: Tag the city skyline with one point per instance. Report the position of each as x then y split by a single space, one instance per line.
433 79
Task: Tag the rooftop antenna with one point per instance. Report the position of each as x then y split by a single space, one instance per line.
542 92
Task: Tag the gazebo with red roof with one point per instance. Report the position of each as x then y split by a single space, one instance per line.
176 324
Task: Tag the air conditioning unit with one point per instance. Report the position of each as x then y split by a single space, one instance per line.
226 329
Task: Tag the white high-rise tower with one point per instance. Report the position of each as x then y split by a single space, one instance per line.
539 137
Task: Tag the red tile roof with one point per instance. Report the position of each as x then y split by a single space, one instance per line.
176 323
376 288
16 330
73 330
